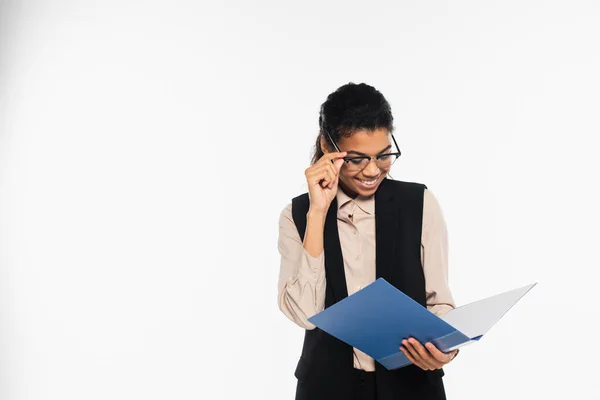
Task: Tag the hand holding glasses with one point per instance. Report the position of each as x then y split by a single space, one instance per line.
358 163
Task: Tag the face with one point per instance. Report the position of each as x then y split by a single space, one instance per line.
370 143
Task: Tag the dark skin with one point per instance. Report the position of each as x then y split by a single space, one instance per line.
426 357
372 143
362 142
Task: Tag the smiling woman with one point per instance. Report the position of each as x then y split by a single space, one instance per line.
359 163
352 226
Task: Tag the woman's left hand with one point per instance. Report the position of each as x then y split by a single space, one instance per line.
426 357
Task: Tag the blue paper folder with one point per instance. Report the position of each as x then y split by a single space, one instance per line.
377 318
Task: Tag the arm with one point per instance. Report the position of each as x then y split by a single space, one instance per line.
434 257
301 289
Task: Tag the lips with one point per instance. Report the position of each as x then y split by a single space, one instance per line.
367 184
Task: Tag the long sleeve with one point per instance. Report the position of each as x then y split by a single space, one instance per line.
434 253
301 289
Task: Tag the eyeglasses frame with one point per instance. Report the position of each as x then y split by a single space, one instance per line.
347 159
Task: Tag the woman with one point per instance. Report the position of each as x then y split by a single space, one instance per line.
355 225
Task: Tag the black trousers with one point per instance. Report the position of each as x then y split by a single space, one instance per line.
364 385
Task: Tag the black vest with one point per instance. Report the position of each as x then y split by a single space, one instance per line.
325 368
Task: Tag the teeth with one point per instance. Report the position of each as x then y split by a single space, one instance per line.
368 182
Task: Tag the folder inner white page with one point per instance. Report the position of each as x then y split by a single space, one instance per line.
460 345
475 319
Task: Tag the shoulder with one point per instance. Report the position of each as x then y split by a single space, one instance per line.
286 213
430 201
432 211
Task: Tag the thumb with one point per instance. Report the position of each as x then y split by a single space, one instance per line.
338 164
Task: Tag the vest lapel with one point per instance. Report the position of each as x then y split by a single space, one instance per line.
386 222
334 262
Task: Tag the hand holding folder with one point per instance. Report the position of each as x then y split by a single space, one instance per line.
377 318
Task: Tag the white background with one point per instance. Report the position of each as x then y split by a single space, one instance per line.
147 149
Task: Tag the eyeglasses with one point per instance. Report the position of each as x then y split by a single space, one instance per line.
358 163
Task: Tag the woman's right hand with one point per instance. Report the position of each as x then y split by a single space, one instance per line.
322 179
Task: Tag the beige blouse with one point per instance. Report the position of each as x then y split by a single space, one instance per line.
301 291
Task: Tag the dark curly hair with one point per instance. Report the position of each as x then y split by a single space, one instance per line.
352 107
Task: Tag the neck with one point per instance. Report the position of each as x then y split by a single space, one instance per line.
350 193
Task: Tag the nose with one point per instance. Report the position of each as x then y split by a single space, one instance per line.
371 170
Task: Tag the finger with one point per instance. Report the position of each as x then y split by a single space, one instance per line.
330 176
333 170
412 351
324 174
336 167
312 172
335 180
426 356
420 352
329 158
338 164
412 359
437 354
316 175
319 179
333 155
317 168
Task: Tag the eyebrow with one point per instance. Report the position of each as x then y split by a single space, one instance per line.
363 154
